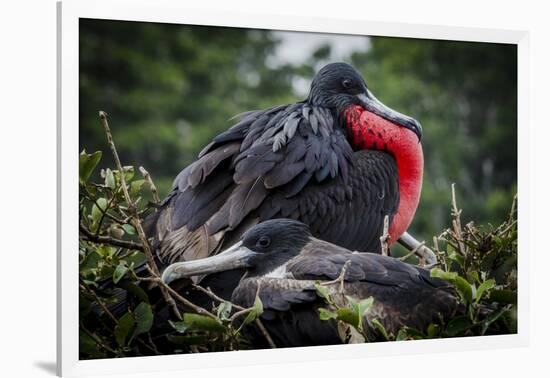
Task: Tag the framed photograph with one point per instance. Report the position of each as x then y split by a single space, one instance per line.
285 188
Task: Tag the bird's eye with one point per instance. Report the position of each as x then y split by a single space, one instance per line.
264 242
346 83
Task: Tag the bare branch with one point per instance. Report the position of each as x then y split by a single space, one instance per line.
413 252
385 236
457 226
90 236
98 340
212 295
258 322
341 277
265 334
151 184
100 302
156 279
136 222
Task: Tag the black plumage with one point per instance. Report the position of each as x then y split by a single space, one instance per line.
301 178
285 262
293 161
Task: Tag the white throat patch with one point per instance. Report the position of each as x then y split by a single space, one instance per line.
279 272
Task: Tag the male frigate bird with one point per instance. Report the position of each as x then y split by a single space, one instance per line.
283 263
338 161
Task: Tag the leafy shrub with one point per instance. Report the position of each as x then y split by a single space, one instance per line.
126 310
480 263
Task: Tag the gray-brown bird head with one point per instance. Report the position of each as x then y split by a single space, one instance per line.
262 249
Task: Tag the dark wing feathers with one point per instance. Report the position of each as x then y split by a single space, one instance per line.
325 261
403 294
275 293
287 161
347 212
209 162
300 326
192 204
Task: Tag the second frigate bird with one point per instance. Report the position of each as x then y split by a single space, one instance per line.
338 161
284 263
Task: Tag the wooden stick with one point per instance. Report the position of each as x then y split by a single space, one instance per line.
385 236
136 222
90 236
152 186
175 294
457 226
258 322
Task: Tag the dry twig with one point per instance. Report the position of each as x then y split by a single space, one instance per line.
385 236
413 252
151 184
457 227
90 236
135 220
341 277
258 322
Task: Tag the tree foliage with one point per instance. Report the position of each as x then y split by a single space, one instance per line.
122 313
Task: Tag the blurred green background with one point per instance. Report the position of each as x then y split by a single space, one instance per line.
168 89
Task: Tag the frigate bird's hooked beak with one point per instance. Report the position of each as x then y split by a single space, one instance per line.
234 257
373 105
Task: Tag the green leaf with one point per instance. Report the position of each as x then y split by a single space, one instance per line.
137 258
465 288
492 318
199 322
119 272
143 316
447 276
224 310
459 259
401 334
460 283
325 314
459 325
349 316
380 327
364 305
323 292
485 286
106 251
116 231
87 164
97 212
88 345
125 325
129 229
474 277
432 330
134 289
128 173
257 310
90 261
110 181
180 327
135 187
407 333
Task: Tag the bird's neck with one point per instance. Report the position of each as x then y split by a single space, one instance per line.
369 131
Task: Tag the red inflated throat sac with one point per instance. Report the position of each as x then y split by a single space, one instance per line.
372 132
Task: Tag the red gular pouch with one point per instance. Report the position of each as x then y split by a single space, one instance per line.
372 132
